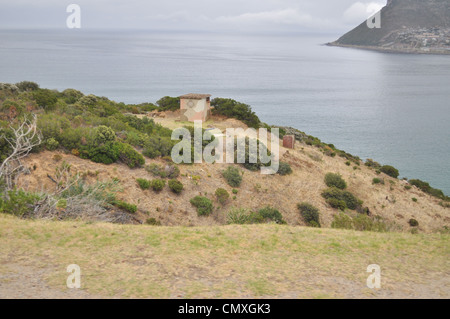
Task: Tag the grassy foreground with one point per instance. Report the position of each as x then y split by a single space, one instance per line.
250 261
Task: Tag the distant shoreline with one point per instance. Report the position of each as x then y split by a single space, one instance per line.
388 50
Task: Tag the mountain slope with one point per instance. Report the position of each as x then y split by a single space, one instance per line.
417 26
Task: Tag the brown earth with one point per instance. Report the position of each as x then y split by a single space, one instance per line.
390 201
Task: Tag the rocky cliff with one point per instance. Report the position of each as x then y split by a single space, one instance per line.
416 26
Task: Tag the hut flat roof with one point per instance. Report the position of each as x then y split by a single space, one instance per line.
194 96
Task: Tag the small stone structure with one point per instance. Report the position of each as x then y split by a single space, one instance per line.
195 107
289 141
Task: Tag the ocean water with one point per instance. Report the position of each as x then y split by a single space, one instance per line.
394 108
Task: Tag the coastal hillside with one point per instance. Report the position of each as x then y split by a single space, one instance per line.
100 160
416 26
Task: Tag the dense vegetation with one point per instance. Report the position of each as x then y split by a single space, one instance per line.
235 109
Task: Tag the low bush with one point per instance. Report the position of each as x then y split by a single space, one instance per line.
45 98
413 223
310 214
232 108
390 170
271 214
377 181
342 221
175 186
125 206
238 216
153 221
350 200
371 163
284 169
203 204
51 144
157 184
365 223
335 180
336 203
17 202
143 183
233 176
27 86
163 171
425 187
222 195
128 155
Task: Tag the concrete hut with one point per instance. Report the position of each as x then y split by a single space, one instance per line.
195 107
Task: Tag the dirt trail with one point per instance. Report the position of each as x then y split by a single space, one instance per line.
27 282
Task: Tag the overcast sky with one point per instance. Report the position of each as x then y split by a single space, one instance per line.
209 15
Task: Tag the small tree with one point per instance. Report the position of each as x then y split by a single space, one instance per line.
24 139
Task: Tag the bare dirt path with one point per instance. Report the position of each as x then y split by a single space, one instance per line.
27 282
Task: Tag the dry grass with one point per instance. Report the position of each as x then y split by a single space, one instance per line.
227 261
390 201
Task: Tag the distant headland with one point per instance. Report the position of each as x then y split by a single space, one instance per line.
407 26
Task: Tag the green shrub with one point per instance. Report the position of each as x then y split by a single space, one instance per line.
350 200
408 187
414 199
342 221
335 180
232 108
377 181
425 187
143 183
155 146
284 169
51 144
125 206
348 163
168 103
371 163
271 214
158 184
18 202
175 186
365 223
390 170
222 195
203 204
238 216
336 203
413 223
234 191
71 96
360 222
128 155
153 221
45 98
103 134
310 214
27 86
107 153
233 176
